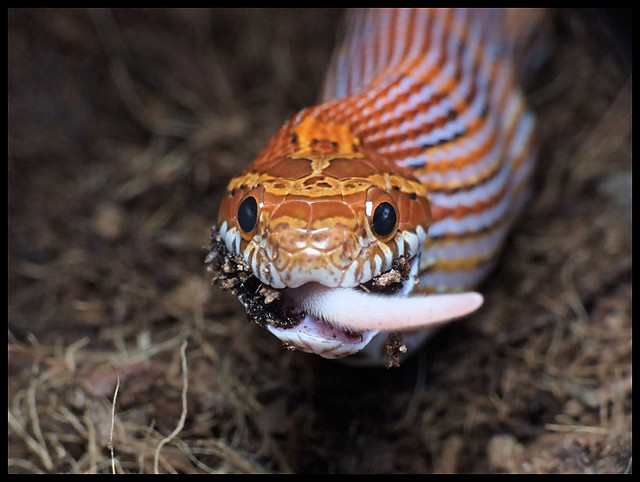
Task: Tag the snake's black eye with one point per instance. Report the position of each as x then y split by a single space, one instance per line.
248 214
384 219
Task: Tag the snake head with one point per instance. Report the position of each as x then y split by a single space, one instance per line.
313 220
322 209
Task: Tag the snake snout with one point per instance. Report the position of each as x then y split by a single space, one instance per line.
328 256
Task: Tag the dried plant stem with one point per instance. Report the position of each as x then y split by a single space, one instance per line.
183 415
33 445
113 419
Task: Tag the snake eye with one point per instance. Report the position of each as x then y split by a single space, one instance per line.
384 219
248 214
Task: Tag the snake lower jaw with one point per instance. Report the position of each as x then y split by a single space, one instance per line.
315 335
318 330
279 310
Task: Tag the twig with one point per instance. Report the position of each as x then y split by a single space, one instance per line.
183 416
35 447
35 425
113 419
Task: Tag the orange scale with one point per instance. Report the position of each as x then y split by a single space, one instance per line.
332 214
287 168
296 214
344 169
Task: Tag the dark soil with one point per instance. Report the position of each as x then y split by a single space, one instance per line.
124 127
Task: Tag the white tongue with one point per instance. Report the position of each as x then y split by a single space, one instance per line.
357 310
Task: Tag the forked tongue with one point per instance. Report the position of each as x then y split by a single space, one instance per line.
358 310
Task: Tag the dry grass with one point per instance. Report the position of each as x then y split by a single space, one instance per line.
125 125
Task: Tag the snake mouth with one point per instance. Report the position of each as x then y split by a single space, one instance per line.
282 313
330 338
335 322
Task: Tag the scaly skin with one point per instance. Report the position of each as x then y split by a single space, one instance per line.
422 110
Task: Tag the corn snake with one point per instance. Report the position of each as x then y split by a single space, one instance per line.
379 208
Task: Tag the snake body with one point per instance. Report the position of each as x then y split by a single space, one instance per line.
401 184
